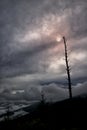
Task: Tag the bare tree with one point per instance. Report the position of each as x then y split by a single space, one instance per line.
7 112
42 97
67 69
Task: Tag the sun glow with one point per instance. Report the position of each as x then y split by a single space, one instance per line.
58 38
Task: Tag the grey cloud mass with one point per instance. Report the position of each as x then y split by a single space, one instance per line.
31 58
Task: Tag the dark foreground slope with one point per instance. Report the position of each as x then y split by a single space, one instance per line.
68 114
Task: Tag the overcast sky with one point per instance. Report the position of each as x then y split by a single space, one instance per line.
32 51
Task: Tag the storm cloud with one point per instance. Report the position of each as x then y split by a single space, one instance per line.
30 55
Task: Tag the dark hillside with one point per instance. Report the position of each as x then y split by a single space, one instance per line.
62 115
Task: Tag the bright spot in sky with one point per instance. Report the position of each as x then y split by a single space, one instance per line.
59 38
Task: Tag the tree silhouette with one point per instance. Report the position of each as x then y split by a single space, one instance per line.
42 97
67 69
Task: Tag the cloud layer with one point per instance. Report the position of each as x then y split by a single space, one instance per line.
31 57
